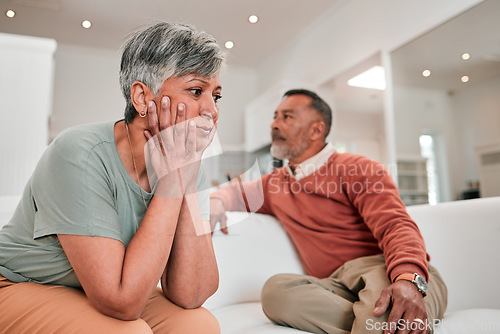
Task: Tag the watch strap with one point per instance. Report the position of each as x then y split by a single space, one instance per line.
406 277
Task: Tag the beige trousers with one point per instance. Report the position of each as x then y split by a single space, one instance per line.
342 303
33 308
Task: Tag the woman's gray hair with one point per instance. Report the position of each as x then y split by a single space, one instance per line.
162 50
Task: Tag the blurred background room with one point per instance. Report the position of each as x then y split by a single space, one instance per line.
413 84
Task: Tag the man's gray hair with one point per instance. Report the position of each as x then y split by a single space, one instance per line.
154 54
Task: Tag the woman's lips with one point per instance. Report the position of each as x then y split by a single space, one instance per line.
204 128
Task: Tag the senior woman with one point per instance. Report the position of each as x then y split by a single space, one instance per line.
90 218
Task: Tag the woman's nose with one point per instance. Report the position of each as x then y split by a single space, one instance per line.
210 108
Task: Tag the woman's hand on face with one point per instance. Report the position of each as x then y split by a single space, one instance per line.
171 149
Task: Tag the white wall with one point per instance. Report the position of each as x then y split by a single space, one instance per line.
466 118
239 87
347 34
350 32
26 72
86 87
419 111
478 110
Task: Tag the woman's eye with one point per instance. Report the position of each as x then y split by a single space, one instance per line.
217 98
196 91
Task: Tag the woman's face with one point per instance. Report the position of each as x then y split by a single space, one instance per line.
199 96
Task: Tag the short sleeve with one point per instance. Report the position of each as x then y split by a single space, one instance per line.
72 190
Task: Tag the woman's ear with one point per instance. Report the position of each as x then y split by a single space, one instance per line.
140 94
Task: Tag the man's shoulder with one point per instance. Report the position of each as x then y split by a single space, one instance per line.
354 165
351 158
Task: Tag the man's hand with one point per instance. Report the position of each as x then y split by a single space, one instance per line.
407 304
218 214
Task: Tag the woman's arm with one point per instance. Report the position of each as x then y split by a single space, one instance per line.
118 281
191 275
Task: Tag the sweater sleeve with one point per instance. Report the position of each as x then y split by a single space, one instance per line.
244 196
375 195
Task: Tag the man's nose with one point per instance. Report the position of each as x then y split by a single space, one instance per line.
275 123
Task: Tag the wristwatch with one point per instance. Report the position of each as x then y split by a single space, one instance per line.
416 279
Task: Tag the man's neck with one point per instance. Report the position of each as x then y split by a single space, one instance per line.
306 154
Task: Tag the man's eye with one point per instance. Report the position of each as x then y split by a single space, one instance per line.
217 98
287 116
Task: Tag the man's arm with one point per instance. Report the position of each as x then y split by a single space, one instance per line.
249 196
399 238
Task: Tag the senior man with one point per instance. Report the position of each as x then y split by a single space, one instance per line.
366 261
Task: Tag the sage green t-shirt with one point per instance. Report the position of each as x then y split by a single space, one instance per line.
79 187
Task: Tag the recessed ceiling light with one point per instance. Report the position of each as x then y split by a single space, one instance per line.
229 45
426 73
373 78
466 56
10 13
253 19
465 78
86 24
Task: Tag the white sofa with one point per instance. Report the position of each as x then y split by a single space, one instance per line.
463 239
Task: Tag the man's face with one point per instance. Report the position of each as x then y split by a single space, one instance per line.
290 128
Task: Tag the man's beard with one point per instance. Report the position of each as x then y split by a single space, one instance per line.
283 151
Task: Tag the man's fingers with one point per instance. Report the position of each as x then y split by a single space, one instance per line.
223 224
393 319
382 303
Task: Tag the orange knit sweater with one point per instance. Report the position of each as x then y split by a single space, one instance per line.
348 208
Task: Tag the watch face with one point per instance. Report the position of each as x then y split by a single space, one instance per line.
421 283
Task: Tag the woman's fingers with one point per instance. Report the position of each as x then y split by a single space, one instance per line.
191 139
165 117
154 126
180 125
152 118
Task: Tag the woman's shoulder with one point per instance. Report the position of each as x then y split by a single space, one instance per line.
86 137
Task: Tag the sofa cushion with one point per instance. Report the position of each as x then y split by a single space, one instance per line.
256 248
484 321
462 239
248 318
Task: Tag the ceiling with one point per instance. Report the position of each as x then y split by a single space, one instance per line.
477 32
279 21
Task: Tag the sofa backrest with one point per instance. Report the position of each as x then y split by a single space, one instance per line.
463 240
256 248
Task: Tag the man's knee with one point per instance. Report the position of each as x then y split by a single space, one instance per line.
276 297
